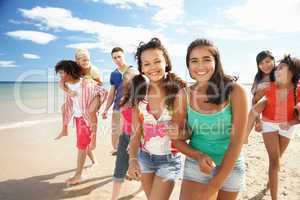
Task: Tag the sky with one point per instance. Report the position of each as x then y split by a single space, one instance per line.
36 34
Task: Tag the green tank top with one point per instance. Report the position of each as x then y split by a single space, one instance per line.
211 132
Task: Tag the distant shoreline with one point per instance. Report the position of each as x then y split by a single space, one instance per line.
56 82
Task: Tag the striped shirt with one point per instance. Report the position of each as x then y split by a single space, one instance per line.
89 90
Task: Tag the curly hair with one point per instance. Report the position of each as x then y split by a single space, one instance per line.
69 67
294 66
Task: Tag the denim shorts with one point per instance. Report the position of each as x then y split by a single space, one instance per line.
122 158
165 166
235 182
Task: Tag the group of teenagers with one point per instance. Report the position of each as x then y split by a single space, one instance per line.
157 117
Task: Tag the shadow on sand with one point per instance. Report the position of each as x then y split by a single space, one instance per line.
41 188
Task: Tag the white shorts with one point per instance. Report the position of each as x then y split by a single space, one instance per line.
268 127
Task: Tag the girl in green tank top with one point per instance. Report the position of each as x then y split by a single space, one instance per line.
214 109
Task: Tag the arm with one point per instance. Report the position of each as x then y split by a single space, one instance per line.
135 138
179 117
66 89
110 99
254 113
93 109
98 80
258 96
96 75
260 92
239 117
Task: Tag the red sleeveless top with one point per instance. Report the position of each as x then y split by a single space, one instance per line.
278 110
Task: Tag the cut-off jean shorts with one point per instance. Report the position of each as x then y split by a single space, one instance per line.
165 166
235 181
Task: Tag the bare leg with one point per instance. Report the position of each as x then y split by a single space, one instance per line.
77 178
283 143
116 190
227 195
147 183
91 155
93 109
161 189
115 128
191 190
64 131
271 141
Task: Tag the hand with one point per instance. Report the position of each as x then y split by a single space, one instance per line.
92 145
134 170
206 164
72 93
284 126
258 126
104 115
172 130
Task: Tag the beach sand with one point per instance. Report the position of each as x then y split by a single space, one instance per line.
33 166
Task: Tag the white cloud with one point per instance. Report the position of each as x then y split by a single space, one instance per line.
169 11
266 15
217 31
7 63
107 35
34 36
31 56
85 45
233 34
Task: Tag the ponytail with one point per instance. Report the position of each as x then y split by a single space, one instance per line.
172 84
139 89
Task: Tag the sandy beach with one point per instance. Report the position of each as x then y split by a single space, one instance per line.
33 166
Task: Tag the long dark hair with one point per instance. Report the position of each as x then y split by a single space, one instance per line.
294 66
260 74
127 88
172 83
220 85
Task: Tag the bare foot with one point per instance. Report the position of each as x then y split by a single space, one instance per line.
114 152
74 180
93 165
61 134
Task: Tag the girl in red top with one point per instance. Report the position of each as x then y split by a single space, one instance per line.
279 115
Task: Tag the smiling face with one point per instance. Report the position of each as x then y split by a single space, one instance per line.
153 64
84 61
266 65
282 74
201 64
